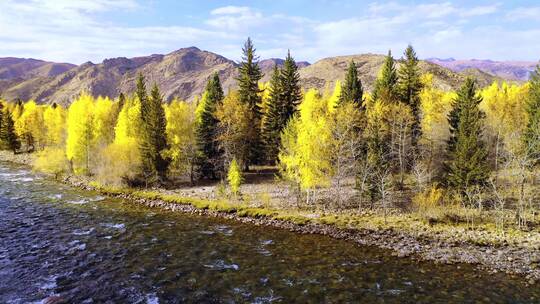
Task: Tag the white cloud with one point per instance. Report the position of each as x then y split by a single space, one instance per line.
231 10
480 10
235 18
434 11
64 30
85 5
520 13
385 7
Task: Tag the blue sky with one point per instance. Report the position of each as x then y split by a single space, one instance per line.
92 30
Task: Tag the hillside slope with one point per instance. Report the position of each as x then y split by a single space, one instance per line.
329 70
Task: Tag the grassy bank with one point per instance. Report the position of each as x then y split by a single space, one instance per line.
481 233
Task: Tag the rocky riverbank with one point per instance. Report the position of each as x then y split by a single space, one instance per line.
438 246
524 262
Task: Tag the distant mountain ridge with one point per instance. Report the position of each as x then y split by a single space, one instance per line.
184 73
510 70
326 71
12 68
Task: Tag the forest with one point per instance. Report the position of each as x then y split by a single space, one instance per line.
470 155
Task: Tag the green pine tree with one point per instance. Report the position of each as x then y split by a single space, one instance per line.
119 105
8 138
410 86
121 100
270 121
153 138
351 89
467 155
531 136
248 83
1 114
248 80
209 153
386 83
285 96
291 94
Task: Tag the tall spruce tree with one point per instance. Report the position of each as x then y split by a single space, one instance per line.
531 136
270 120
209 153
291 94
248 83
410 86
8 137
285 96
379 142
467 155
153 139
351 89
121 101
1 114
386 83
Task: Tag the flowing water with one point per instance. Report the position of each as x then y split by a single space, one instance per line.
84 248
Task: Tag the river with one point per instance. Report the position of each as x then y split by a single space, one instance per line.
81 247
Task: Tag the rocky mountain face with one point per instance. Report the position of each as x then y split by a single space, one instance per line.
181 74
510 70
14 71
184 74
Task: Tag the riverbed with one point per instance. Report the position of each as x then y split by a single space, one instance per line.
79 247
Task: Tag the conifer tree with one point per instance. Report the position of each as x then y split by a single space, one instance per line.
248 83
467 154
1 114
386 83
378 144
8 138
153 134
351 89
270 122
290 89
140 90
248 80
379 138
285 96
531 136
410 86
209 154
118 106
121 101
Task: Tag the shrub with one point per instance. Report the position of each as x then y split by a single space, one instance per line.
428 201
234 177
51 160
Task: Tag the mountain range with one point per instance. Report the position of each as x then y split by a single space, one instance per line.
510 70
184 73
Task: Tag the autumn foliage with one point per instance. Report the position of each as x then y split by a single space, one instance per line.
406 135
